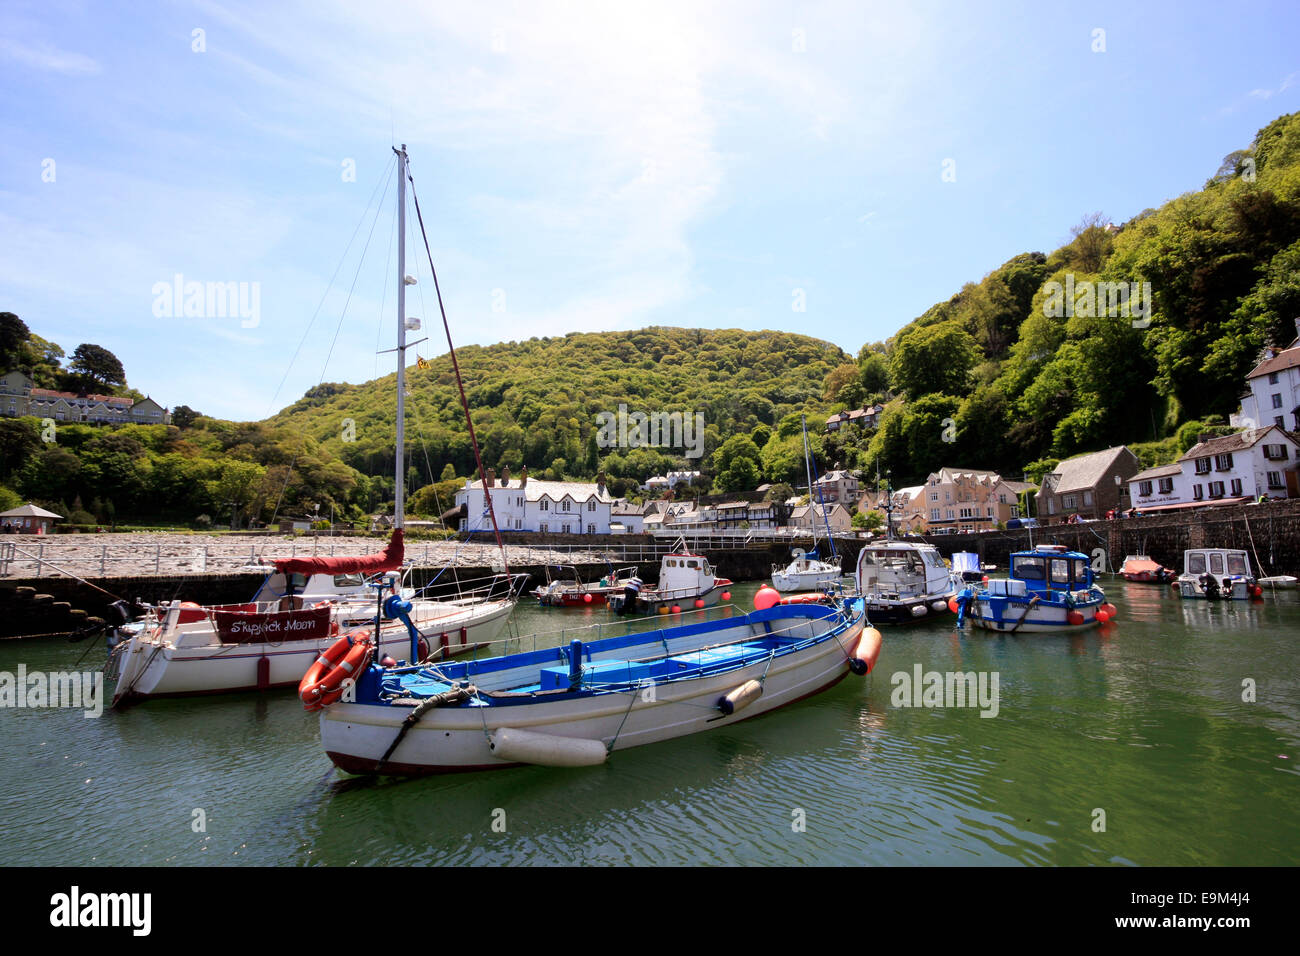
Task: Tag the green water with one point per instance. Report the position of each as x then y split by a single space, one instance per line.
1144 721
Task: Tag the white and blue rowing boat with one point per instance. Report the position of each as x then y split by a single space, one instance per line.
574 705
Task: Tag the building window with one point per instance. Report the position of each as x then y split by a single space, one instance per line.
1277 420
948 514
1277 399
1275 480
1223 462
1202 466
1216 489
1275 452
1068 501
1198 492
591 506
543 527
1166 486
1272 378
934 514
1236 486
934 496
591 529
546 506
1144 489
1087 499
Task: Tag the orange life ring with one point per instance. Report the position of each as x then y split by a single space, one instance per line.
324 681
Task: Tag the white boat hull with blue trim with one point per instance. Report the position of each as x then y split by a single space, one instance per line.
631 690
1050 590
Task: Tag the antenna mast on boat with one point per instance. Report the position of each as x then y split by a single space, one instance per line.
399 505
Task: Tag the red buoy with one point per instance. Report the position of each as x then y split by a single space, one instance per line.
766 598
1074 617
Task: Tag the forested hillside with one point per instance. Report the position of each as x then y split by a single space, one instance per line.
1019 381
1034 362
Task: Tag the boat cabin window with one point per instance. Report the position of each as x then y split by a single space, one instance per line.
932 559
1216 563
1236 564
692 564
348 581
297 581
1060 571
1080 570
1196 564
1030 569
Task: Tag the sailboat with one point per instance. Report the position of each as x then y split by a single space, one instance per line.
182 648
808 572
902 581
574 705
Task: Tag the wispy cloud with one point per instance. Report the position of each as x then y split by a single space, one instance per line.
42 56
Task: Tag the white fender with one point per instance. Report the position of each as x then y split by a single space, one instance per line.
919 610
547 750
741 697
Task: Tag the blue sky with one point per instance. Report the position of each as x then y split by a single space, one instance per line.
580 166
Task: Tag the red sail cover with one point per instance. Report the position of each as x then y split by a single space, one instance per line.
390 559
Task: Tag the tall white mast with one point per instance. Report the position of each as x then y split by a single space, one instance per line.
399 519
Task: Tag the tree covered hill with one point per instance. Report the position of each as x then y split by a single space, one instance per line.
536 402
1007 373
1038 360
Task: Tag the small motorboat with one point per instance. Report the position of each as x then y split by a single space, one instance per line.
1217 574
1050 588
1277 581
1141 569
567 589
686 581
903 581
573 705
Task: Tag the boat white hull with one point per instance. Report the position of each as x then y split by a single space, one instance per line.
1040 619
448 740
1189 587
804 580
1278 581
148 666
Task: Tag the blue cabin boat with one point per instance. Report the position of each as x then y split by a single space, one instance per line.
1050 588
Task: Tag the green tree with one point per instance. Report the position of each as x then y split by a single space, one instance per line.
236 487
97 366
933 359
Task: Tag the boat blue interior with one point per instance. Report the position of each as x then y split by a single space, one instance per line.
649 657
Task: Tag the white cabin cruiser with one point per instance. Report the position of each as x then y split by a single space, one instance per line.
1217 574
903 581
686 581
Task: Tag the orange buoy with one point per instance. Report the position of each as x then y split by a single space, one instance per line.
766 598
699 602
726 595
864 656
677 609
1102 615
953 605
324 681
1074 617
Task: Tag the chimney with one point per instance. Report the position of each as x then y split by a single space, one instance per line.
523 478
490 478
600 483
505 477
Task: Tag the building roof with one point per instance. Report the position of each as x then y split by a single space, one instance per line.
28 510
1237 441
1019 487
72 396
537 489
952 474
1280 362
1160 471
1085 472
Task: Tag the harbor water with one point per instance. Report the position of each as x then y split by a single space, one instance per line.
1171 737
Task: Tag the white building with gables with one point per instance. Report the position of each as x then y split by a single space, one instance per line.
527 504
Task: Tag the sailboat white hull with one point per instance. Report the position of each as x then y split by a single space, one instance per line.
150 665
